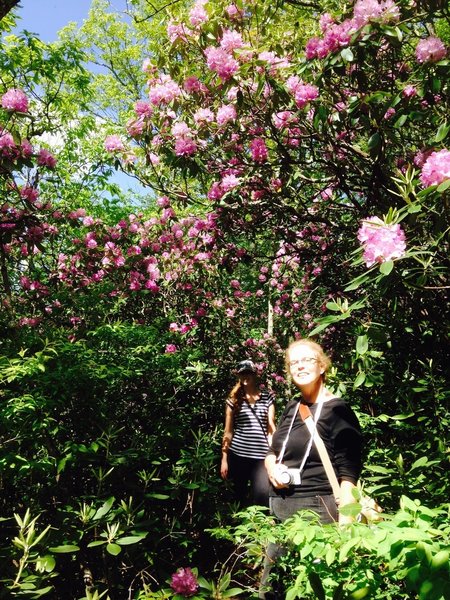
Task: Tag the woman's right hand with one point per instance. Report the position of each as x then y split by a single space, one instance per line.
224 468
274 472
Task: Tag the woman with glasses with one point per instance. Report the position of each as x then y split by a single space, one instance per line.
249 425
294 466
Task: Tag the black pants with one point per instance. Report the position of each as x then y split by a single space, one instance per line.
283 508
244 471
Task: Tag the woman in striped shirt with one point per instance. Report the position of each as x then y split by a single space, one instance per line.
249 425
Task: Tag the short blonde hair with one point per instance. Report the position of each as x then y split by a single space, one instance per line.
323 358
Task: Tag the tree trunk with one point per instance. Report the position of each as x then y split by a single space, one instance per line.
6 6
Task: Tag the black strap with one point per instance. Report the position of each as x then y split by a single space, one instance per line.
256 415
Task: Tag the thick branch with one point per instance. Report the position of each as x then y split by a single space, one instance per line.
6 6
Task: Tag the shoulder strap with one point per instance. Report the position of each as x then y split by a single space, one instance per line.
321 449
256 416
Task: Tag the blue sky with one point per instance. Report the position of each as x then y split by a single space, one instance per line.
47 17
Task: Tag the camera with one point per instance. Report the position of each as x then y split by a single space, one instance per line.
288 476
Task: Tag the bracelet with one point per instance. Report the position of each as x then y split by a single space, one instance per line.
225 444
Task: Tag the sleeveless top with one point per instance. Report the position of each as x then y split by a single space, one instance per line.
250 427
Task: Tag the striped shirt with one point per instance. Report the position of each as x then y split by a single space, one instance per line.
250 427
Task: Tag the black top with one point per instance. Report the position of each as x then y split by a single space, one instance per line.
340 431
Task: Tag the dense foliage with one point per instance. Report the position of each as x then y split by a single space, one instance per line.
294 171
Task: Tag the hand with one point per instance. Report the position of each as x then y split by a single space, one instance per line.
274 473
224 468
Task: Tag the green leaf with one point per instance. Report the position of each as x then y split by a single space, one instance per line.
374 141
96 543
400 121
360 379
362 344
66 549
442 132
131 539
386 267
103 510
333 306
347 55
443 186
113 549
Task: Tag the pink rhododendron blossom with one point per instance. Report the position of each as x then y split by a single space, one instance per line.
273 60
46 159
225 114
193 84
180 129
381 242
143 109
215 191
171 349
430 50
29 192
389 114
198 14
233 12
283 119
185 146
231 40
113 143
15 100
221 62
6 140
409 91
163 90
177 31
325 21
259 150
305 93
436 168
27 148
229 182
204 115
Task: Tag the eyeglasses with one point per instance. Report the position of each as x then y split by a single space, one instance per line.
307 360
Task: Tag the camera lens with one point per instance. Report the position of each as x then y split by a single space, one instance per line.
285 477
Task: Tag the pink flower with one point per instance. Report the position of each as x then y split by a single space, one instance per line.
233 11
436 168
171 349
258 150
6 140
46 159
15 100
185 146
389 113
305 93
225 114
409 91
184 581
198 14
220 61
381 242
204 115
431 49
113 143
229 182
143 109
231 40
30 193
325 21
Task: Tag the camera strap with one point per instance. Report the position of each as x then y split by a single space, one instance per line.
311 427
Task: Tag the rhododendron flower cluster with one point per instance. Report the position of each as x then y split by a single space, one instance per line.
381 242
436 168
221 62
430 50
15 100
184 582
338 35
113 143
